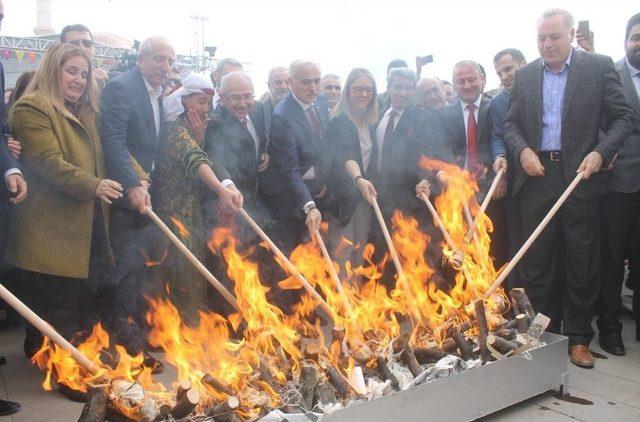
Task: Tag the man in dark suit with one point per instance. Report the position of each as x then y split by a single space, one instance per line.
621 207
296 177
506 63
567 113
236 142
467 127
131 124
278 83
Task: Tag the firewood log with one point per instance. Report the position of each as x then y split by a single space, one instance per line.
409 359
267 376
501 345
228 406
182 389
324 394
483 330
337 380
308 381
208 380
465 348
426 355
95 410
384 372
522 323
186 404
519 297
507 334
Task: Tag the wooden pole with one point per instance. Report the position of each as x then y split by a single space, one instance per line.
333 273
192 258
532 238
469 218
292 269
48 331
485 203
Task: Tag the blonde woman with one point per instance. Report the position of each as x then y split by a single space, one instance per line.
62 224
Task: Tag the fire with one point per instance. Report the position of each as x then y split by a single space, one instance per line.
243 351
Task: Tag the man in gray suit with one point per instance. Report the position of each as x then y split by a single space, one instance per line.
621 206
567 113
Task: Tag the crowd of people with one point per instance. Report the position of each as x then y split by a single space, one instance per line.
87 153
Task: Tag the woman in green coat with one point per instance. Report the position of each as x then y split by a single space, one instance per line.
182 168
62 225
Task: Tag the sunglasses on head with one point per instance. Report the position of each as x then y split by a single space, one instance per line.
86 43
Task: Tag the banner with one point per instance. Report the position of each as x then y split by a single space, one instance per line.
20 55
6 54
32 57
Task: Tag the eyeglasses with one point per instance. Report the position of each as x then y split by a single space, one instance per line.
360 90
238 98
86 43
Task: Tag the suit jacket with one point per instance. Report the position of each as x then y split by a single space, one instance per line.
593 100
6 159
232 149
417 133
498 111
625 176
453 125
343 141
128 129
267 112
294 149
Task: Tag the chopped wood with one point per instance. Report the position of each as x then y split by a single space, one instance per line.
324 394
208 380
228 406
483 330
409 359
385 373
426 355
312 350
465 348
183 387
338 381
501 345
308 381
521 300
506 333
267 376
95 410
448 346
165 406
522 323
186 404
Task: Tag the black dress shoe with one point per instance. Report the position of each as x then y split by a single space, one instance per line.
8 407
612 343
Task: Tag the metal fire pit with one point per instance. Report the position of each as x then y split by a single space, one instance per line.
471 394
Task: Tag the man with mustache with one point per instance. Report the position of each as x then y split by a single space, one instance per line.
621 209
131 124
278 84
567 113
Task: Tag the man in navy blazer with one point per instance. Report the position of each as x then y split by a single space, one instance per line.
296 177
131 125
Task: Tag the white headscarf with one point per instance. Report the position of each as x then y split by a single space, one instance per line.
192 84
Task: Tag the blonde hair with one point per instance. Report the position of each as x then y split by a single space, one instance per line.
370 116
46 81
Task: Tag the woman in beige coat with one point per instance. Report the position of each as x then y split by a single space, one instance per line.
62 224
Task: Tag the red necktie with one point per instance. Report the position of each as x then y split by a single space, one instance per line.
473 158
313 119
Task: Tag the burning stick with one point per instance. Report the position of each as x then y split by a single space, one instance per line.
385 372
466 349
396 261
308 382
292 269
48 331
521 303
483 329
208 379
192 258
96 408
186 404
226 407
338 381
485 203
501 345
518 256
333 273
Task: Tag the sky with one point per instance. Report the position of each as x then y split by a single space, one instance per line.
338 34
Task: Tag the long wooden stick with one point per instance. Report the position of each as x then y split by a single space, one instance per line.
485 203
48 330
525 247
292 268
445 233
396 261
333 273
192 258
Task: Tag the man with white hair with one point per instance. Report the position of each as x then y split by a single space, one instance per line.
131 124
567 113
296 179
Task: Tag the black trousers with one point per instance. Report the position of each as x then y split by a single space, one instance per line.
577 226
620 227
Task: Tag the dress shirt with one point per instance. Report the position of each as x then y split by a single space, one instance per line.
11 171
256 140
366 145
154 96
635 75
382 128
465 115
553 86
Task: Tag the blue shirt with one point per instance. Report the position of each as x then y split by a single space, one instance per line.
553 86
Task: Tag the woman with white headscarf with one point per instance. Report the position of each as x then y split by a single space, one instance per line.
182 168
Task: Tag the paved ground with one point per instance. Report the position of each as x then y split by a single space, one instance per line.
610 392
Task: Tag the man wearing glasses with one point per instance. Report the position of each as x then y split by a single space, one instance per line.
79 35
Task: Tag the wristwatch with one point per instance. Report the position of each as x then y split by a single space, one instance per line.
309 207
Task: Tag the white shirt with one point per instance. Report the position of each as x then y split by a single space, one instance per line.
154 95
382 128
635 76
366 144
465 114
256 140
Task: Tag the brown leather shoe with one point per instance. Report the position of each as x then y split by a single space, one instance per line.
581 356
